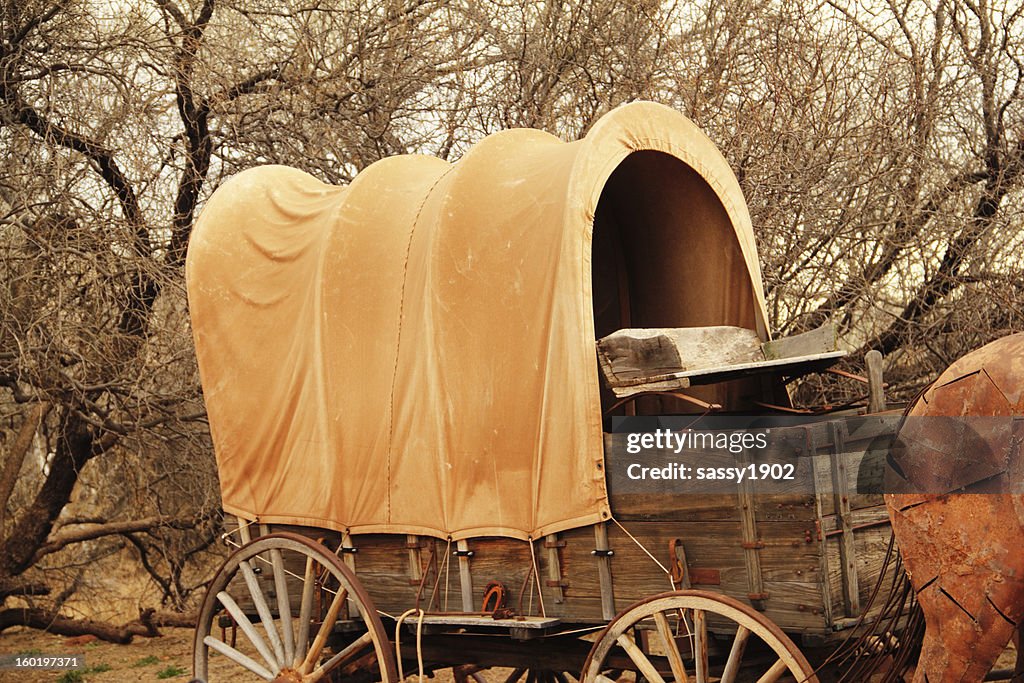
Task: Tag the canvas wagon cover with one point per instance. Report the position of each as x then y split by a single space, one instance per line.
414 353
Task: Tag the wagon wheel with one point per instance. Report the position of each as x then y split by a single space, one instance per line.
670 614
283 645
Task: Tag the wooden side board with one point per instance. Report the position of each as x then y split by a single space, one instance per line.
808 561
789 565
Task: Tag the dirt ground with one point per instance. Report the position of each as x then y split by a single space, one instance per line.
145 659
168 658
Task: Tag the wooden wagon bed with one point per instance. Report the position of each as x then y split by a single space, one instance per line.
808 562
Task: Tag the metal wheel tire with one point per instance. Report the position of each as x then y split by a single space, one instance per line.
683 608
285 644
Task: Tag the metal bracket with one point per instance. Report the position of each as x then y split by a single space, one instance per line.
463 553
602 553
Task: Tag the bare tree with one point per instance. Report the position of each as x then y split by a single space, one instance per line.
116 127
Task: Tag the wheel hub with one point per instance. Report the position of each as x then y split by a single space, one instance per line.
288 675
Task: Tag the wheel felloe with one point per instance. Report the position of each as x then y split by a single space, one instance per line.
684 615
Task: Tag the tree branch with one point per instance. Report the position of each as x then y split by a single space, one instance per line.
34 523
89 532
854 287
16 455
111 173
946 278
52 622
194 113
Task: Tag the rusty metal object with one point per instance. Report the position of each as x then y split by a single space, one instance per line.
963 550
677 564
704 405
495 597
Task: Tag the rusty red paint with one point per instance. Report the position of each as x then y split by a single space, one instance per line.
963 551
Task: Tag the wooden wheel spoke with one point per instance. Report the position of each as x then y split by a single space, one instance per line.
305 612
675 660
263 609
350 651
775 673
325 629
248 629
515 675
284 608
732 664
639 658
238 658
700 654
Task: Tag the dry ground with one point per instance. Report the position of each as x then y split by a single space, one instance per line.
145 659
168 658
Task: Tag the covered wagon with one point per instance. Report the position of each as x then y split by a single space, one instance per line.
412 427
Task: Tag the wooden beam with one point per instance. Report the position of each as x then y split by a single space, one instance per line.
751 542
350 560
820 340
876 384
602 551
841 498
412 543
555 582
465 577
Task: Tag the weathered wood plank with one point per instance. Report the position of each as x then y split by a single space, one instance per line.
663 359
555 579
604 571
465 576
487 621
841 498
876 385
751 542
817 341
646 354
870 548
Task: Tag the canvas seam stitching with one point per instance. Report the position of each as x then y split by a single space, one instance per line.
401 318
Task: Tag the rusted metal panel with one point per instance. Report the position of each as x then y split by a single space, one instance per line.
962 549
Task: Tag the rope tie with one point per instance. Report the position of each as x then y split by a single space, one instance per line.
647 552
536 576
419 641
